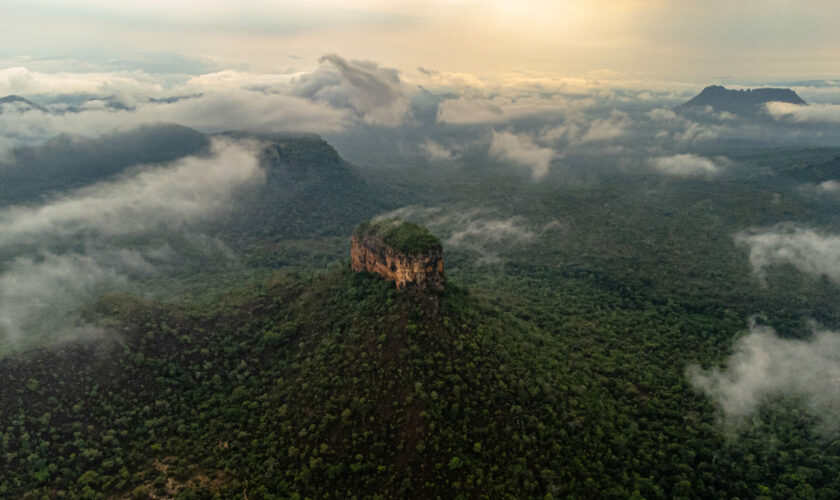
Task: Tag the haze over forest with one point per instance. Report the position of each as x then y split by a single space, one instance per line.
637 202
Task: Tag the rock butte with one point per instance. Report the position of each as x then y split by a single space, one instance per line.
418 271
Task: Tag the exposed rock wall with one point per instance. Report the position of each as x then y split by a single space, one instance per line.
422 271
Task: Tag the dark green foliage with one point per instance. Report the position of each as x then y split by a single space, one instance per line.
561 374
403 236
337 387
309 191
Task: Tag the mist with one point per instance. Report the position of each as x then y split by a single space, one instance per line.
764 365
62 253
810 251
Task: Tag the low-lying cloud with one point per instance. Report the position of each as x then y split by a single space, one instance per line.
168 196
764 365
209 112
807 250
686 165
616 125
475 230
522 150
59 255
817 113
437 152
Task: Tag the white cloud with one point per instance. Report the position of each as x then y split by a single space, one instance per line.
521 149
764 365
604 129
568 132
20 80
38 293
470 109
436 152
830 186
805 249
685 165
211 112
71 248
664 115
474 230
190 189
818 113
374 93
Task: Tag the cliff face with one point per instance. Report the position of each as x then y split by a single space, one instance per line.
420 271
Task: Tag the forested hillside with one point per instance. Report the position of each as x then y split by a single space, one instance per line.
337 387
563 361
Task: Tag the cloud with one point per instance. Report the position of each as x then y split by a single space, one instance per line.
521 149
38 293
664 115
474 230
604 129
485 235
436 152
764 365
463 111
568 132
20 80
170 196
830 186
480 109
374 93
818 113
805 249
209 112
685 165
60 254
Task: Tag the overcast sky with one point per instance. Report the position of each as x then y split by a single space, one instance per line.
673 40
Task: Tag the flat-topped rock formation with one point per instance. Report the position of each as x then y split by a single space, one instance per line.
399 251
740 102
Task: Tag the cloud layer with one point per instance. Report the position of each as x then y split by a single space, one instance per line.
60 254
686 165
764 365
163 196
521 150
805 249
474 230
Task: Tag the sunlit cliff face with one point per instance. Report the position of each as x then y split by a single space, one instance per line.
421 271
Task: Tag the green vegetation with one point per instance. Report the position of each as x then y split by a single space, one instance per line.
555 371
337 387
403 236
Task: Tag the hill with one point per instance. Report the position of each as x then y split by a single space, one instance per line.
339 386
324 388
68 161
309 191
19 104
748 102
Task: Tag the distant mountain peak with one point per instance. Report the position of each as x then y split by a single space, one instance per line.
20 101
746 102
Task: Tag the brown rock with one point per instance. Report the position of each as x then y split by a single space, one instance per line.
421 271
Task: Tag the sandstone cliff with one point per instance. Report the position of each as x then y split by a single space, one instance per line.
401 252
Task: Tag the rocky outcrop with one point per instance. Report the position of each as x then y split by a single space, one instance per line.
417 268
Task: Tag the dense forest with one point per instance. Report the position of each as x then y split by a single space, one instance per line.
555 366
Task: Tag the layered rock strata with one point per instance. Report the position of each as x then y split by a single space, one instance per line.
420 271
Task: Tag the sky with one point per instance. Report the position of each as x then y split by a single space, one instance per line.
671 40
